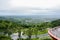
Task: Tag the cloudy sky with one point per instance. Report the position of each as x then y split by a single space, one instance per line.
29 7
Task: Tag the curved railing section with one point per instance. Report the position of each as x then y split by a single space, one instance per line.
54 33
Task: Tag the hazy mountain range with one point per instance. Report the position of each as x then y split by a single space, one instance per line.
31 18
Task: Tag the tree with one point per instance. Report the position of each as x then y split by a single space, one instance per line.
29 33
4 37
35 31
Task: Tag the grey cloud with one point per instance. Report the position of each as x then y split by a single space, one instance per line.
4 4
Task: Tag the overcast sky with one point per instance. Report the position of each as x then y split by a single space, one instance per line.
29 7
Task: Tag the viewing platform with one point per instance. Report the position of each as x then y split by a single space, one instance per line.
54 33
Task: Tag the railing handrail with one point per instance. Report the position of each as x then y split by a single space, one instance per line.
52 35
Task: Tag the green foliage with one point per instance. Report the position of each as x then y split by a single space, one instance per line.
55 23
9 27
4 37
45 38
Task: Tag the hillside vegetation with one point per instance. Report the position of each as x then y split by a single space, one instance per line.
29 28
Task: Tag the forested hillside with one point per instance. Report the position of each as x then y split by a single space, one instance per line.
10 26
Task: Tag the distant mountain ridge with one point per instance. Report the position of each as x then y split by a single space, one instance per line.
31 18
